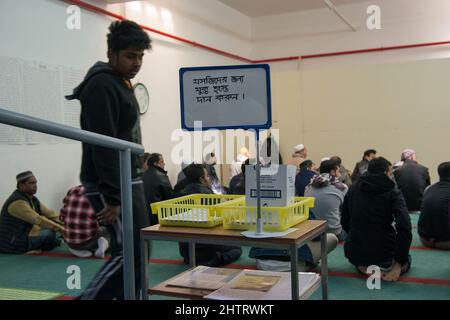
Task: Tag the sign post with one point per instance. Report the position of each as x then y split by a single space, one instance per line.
228 97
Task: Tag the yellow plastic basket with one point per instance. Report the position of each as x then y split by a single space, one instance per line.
195 210
238 216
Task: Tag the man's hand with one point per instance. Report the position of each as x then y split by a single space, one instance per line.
108 214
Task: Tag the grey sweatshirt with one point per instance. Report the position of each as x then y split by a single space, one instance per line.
328 205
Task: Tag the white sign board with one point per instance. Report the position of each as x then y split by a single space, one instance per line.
227 97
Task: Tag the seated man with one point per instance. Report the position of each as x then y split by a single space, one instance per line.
329 194
83 234
371 206
157 186
206 254
182 181
26 223
412 178
434 220
216 185
303 178
345 174
299 155
361 166
240 184
234 181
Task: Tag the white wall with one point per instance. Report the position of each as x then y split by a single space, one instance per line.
320 31
207 22
345 104
36 30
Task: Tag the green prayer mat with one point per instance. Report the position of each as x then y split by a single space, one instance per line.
22 294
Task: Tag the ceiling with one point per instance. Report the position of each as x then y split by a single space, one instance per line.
259 8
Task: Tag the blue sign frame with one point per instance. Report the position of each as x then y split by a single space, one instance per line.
265 67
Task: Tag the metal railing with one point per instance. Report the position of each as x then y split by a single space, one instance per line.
124 147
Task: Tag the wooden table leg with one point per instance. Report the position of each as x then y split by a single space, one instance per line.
294 272
144 272
324 265
192 254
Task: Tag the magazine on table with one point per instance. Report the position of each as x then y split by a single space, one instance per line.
203 277
265 285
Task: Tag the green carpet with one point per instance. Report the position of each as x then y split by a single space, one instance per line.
428 279
21 294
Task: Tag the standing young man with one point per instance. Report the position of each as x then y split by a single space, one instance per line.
109 107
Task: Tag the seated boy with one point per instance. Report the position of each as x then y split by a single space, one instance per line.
83 234
329 193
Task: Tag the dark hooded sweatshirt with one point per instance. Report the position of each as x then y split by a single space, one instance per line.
108 107
369 210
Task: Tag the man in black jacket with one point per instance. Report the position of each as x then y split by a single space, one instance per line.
109 107
370 208
412 179
157 185
361 166
434 220
205 254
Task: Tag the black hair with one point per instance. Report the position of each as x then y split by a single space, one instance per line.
127 34
154 157
444 171
305 164
369 152
337 159
146 156
379 165
194 172
328 165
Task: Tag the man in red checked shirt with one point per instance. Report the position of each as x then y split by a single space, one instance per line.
82 234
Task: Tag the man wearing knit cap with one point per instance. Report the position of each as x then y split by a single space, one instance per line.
299 155
26 223
412 179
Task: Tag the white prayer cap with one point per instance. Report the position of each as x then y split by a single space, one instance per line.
299 147
324 159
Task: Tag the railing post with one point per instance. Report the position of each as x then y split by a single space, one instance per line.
127 224
126 148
